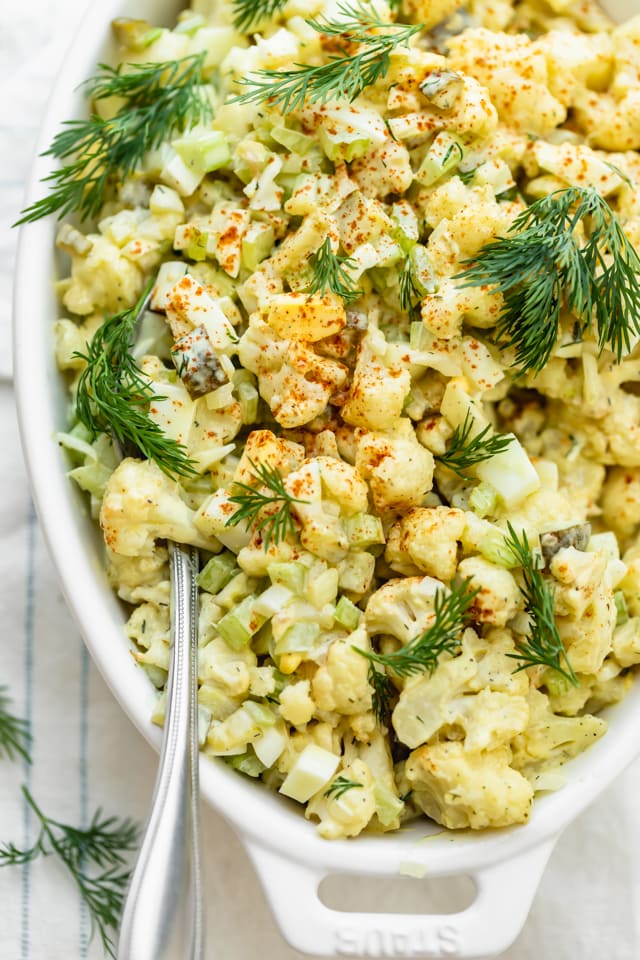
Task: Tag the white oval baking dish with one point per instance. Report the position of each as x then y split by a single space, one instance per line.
290 858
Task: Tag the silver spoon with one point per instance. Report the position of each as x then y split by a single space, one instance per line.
163 916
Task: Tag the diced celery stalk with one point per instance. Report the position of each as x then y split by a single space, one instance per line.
388 805
190 24
260 713
364 530
239 625
292 575
356 569
272 600
293 140
422 272
493 548
622 611
313 768
483 500
197 246
556 684
443 88
511 473
444 155
236 590
299 638
160 709
217 573
269 746
92 477
204 153
257 244
347 614
263 640
248 398
407 231
323 588
247 763
343 145
419 337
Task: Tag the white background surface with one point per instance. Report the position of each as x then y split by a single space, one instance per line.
86 752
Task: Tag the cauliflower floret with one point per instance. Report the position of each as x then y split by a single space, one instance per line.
326 489
149 628
379 386
493 652
403 608
498 597
626 643
429 538
514 70
296 382
142 505
226 668
621 501
341 683
296 705
102 279
550 740
140 578
460 788
630 583
580 575
398 468
344 813
383 171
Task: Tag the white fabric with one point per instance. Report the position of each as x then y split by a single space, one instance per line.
87 754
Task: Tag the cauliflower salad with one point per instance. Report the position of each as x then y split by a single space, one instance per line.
354 288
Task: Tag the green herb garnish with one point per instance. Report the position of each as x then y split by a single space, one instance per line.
410 294
95 858
342 77
543 264
422 653
158 98
543 646
466 451
15 738
113 395
274 526
329 274
248 13
383 692
340 786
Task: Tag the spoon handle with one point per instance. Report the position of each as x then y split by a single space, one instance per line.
162 917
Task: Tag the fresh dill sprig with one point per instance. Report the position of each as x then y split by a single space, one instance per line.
342 77
273 526
113 395
158 98
329 274
543 646
410 296
383 692
340 786
95 857
466 450
248 13
15 738
422 653
543 265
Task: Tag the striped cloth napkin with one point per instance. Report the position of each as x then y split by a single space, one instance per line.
86 753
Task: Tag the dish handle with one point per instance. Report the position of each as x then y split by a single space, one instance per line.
504 893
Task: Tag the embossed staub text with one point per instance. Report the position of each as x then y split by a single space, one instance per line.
430 941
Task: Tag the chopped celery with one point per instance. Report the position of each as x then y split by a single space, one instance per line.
204 152
364 530
443 88
257 244
422 272
493 548
204 722
189 23
622 611
92 477
483 500
218 572
299 638
556 683
247 763
262 715
263 640
419 337
248 398
388 805
293 140
292 575
347 614
239 625
444 156
407 232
